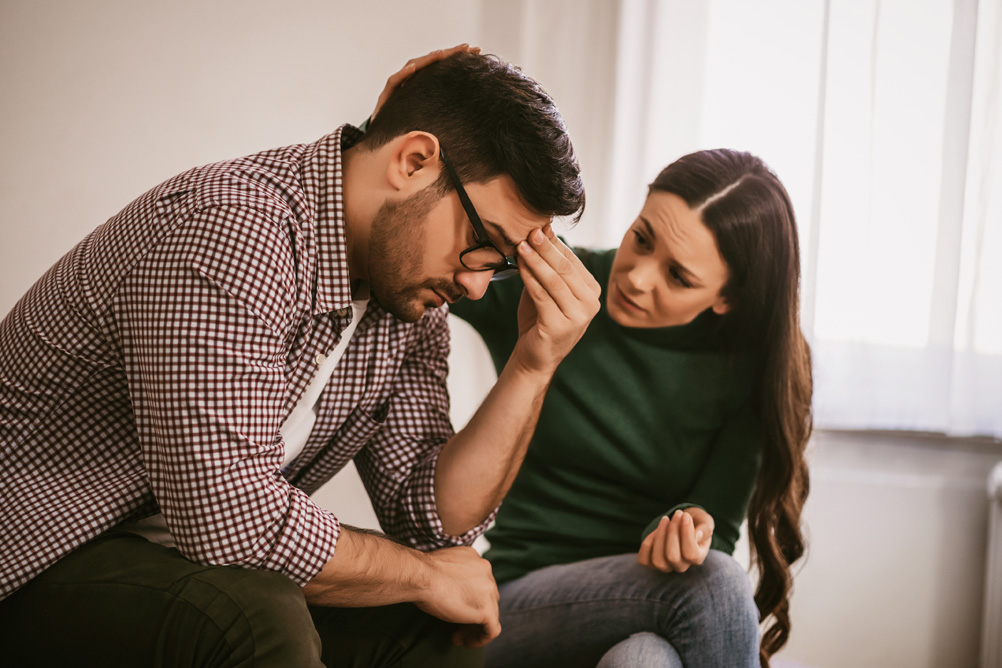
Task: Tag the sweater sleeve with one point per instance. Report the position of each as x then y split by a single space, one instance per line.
725 486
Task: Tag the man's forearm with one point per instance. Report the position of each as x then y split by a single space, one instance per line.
477 466
454 584
368 570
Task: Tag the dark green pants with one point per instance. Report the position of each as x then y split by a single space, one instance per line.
123 601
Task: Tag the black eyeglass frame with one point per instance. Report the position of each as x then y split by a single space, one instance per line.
503 268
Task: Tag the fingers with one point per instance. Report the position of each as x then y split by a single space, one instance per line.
692 552
414 64
644 556
576 264
661 543
673 543
559 275
646 547
476 635
673 546
396 79
546 268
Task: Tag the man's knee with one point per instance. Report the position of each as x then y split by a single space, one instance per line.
393 636
257 618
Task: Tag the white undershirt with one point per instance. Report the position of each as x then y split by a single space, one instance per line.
297 427
295 430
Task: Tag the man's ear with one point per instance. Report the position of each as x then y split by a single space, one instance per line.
414 162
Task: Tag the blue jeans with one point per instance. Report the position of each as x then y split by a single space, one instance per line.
614 611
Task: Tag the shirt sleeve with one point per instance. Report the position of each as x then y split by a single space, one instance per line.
724 487
398 465
204 319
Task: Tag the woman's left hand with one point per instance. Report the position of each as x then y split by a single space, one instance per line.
412 66
681 541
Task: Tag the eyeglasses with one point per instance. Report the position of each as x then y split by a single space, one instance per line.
483 255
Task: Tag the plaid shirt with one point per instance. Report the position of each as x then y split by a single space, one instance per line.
152 367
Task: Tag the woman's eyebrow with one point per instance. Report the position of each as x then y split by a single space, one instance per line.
678 266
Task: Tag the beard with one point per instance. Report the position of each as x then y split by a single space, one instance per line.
396 243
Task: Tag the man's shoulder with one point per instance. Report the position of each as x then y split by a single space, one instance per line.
266 180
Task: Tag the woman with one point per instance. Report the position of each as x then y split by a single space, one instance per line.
691 392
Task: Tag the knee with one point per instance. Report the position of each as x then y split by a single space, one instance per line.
257 616
725 589
248 592
641 649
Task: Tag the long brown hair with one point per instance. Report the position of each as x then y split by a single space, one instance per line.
748 210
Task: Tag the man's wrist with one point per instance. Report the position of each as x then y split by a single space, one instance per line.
532 370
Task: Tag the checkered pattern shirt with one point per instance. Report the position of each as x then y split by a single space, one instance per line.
152 366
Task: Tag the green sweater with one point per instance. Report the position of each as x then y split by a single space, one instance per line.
636 422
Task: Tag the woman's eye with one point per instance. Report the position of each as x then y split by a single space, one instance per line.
640 239
679 278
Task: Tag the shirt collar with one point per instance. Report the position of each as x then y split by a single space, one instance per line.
323 183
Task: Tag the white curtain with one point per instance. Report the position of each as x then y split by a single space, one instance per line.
884 120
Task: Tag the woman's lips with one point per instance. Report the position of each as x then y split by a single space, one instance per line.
626 301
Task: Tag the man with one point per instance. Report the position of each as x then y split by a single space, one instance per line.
198 365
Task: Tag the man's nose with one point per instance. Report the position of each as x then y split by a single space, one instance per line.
474 282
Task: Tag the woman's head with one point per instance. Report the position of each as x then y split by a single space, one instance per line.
716 232
668 269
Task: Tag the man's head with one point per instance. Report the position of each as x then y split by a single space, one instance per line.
492 120
510 152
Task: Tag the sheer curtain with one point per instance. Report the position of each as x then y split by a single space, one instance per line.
884 120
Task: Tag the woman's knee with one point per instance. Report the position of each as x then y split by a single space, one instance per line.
724 589
641 649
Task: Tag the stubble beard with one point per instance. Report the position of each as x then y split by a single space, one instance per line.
396 244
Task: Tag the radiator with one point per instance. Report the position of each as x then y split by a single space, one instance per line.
991 628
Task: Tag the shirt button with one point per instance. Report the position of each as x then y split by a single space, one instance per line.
342 312
320 358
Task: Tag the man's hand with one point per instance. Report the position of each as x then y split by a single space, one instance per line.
560 299
461 589
413 65
454 584
679 542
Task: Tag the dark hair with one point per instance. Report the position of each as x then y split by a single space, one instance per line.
493 120
748 210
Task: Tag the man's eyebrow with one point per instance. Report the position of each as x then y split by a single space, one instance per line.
497 232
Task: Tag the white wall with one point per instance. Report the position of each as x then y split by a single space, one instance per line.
100 100
104 99
894 576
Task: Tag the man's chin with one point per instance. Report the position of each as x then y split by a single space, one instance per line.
410 311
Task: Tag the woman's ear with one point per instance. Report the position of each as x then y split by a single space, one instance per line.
721 306
414 162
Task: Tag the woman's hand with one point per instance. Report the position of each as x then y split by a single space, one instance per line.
412 66
681 541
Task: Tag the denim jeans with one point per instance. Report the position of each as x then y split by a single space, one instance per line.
614 611
123 601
